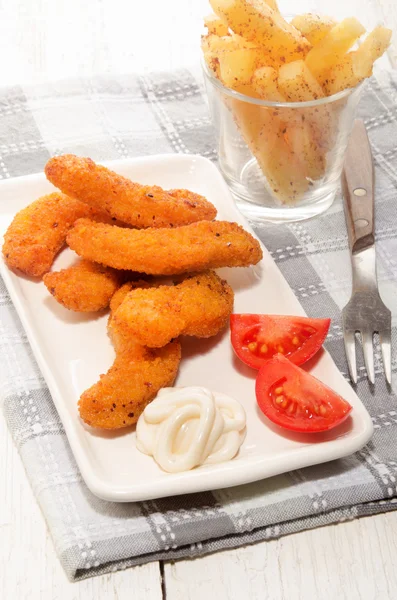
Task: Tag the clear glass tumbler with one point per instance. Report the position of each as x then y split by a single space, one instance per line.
282 160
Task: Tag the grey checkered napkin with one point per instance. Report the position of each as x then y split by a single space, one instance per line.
109 118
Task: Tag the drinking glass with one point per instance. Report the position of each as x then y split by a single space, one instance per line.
281 160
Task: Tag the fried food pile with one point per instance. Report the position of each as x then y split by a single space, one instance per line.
132 203
145 252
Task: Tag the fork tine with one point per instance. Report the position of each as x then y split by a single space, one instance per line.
385 344
350 348
368 349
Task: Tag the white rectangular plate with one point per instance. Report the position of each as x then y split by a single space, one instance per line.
73 349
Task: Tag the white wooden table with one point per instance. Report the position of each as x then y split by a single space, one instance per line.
48 39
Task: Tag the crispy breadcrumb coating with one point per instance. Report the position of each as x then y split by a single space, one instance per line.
121 395
200 306
122 292
132 203
85 286
38 232
196 247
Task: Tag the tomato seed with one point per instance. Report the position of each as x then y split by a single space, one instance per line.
264 348
291 408
279 390
280 399
295 341
280 349
252 346
323 410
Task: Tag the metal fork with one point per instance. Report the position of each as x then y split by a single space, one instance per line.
365 312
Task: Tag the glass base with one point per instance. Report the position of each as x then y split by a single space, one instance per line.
255 201
280 214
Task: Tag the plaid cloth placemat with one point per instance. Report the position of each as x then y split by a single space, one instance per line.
109 118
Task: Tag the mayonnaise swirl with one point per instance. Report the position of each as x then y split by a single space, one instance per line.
183 428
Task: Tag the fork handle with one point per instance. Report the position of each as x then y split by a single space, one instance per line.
358 182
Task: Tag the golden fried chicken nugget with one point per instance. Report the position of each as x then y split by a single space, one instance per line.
137 374
196 247
38 232
132 203
200 306
122 292
85 286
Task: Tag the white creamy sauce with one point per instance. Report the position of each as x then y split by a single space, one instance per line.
183 428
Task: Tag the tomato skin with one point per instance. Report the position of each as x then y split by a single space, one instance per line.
277 330
309 395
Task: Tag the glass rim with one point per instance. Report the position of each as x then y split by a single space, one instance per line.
268 103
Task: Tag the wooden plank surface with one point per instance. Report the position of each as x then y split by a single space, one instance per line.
29 568
52 39
349 561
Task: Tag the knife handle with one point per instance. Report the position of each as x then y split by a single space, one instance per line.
358 182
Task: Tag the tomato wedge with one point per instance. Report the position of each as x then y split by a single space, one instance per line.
256 338
296 400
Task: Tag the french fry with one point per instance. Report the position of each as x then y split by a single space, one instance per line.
209 57
257 22
358 64
302 142
333 46
298 133
214 45
313 27
264 82
227 43
263 132
215 25
297 83
237 66
272 4
233 58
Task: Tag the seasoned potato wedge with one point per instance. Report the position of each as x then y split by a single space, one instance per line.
237 66
313 27
333 46
265 84
257 22
302 141
358 64
215 25
233 59
264 133
297 83
272 4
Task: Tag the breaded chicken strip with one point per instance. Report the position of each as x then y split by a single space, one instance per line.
199 306
85 286
38 232
122 292
196 247
137 374
132 203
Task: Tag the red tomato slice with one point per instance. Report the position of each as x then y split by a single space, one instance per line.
296 400
256 338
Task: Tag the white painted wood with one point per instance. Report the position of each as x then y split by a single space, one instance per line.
388 12
60 38
29 568
349 561
52 39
